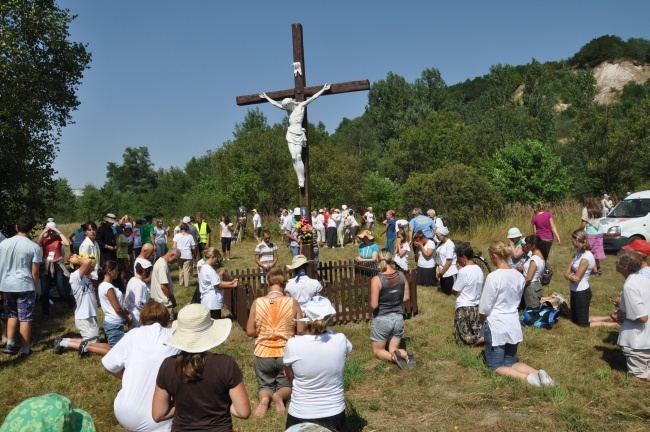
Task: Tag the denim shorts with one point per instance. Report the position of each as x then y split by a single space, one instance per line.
385 327
114 332
19 305
497 356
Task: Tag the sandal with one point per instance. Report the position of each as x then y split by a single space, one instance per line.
411 363
399 360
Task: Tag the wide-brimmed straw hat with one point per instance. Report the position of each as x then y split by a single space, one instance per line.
318 308
365 234
514 233
298 261
196 332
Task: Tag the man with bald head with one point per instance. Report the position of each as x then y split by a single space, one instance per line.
162 285
146 254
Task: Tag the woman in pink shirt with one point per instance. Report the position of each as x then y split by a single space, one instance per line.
544 227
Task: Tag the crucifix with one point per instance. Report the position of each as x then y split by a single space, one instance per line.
297 133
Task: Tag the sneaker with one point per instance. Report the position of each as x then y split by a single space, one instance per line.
26 354
58 349
533 379
544 378
82 348
11 349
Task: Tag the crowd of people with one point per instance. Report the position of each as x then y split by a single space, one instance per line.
123 267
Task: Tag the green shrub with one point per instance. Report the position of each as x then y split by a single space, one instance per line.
458 191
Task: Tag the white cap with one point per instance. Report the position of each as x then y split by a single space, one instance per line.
514 233
186 219
296 211
50 225
443 231
318 308
344 207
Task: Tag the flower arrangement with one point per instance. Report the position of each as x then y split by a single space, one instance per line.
306 230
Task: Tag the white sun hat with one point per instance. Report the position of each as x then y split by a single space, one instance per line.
318 308
514 233
196 332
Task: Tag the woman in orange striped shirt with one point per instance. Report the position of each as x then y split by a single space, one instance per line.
272 321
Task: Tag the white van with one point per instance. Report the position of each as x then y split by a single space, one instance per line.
629 220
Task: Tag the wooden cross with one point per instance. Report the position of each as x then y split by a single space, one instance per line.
300 92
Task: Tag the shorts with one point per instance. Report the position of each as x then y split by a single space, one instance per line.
19 305
498 356
638 362
88 327
532 294
270 374
385 327
258 232
114 332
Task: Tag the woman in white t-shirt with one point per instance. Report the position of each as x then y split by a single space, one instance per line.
160 238
211 285
577 273
314 364
135 361
402 252
426 259
467 290
533 269
85 313
185 243
446 270
110 299
137 291
500 319
225 236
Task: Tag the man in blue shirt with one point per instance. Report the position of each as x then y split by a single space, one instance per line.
421 223
19 274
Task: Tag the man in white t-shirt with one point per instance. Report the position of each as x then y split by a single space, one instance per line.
301 287
257 225
369 217
162 285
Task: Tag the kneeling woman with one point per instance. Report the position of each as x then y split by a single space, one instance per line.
467 290
196 388
500 319
211 285
271 320
388 290
314 364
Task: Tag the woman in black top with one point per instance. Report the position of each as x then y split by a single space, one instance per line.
388 290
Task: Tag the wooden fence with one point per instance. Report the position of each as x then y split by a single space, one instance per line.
345 284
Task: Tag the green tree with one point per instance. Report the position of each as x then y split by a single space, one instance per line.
390 106
60 201
136 174
254 120
458 191
528 171
40 71
381 193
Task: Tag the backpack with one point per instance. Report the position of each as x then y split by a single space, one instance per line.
442 219
547 275
543 316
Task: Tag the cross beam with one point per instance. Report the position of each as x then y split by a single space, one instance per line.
300 92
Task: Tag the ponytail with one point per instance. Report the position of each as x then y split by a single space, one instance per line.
385 257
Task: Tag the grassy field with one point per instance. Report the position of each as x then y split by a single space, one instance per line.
451 388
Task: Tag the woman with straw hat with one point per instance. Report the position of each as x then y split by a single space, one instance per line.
368 249
314 364
206 388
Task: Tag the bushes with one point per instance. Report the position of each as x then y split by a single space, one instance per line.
455 190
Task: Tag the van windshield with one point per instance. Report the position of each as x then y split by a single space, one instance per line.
631 209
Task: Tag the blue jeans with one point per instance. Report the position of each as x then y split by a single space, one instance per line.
295 250
114 332
61 287
497 356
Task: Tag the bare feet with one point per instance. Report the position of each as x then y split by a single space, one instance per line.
279 403
263 407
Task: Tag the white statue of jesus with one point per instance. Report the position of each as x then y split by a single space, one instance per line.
296 138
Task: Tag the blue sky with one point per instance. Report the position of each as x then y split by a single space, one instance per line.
165 74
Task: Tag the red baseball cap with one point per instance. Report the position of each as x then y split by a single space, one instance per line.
639 245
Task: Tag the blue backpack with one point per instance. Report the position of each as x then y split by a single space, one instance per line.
544 316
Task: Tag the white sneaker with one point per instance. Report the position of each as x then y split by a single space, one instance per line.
533 379
544 378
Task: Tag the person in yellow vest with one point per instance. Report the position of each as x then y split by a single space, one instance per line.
205 238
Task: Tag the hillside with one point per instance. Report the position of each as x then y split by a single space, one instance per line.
612 76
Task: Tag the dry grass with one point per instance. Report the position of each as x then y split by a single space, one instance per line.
451 389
